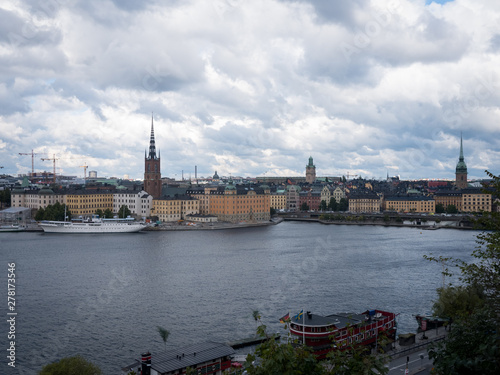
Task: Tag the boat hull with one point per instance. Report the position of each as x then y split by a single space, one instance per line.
11 228
91 228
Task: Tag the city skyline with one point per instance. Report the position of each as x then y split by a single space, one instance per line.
366 88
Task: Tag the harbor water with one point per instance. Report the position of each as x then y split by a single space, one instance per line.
103 296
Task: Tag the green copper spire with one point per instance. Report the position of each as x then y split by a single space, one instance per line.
461 166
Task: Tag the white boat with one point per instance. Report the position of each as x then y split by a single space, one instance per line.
11 228
127 225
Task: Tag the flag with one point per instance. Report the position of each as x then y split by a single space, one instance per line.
299 315
285 318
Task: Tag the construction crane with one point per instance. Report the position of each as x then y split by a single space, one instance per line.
32 160
84 166
352 175
53 158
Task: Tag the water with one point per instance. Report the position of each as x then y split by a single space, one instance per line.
104 296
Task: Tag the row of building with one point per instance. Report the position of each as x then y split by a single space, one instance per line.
252 202
235 204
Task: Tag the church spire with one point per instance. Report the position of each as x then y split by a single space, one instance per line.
461 157
461 169
152 147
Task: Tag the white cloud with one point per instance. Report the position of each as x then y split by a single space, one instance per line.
252 87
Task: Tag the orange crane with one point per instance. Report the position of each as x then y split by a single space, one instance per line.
53 158
32 160
84 166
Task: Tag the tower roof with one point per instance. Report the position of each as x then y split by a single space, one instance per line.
461 166
152 147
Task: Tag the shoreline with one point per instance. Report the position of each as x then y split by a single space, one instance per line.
225 225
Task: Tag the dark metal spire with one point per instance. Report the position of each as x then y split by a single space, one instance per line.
152 147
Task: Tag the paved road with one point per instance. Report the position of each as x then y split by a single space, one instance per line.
419 363
414 357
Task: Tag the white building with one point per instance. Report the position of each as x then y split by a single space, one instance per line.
138 202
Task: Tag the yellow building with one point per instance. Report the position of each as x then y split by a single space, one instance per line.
475 200
235 206
364 201
449 197
87 202
174 209
411 204
278 200
203 196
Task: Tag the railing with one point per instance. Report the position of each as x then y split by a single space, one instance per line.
415 347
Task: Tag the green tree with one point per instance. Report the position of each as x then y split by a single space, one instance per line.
485 270
440 208
304 207
280 358
5 198
323 206
472 347
99 212
272 211
457 302
164 333
356 359
333 204
56 212
108 214
451 209
124 211
39 214
343 204
292 358
76 365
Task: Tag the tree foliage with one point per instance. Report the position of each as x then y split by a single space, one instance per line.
5 197
440 208
293 358
108 214
451 209
343 204
76 365
472 347
332 205
323 206
164 333
273 357
304 207
458 302
124 211
53 212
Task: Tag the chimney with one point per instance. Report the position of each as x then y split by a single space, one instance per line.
146 363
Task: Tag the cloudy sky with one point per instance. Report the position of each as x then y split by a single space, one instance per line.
251 88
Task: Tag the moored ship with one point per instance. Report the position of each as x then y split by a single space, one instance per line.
127 225
340 331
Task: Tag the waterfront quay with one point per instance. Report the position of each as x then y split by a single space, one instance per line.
423 221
